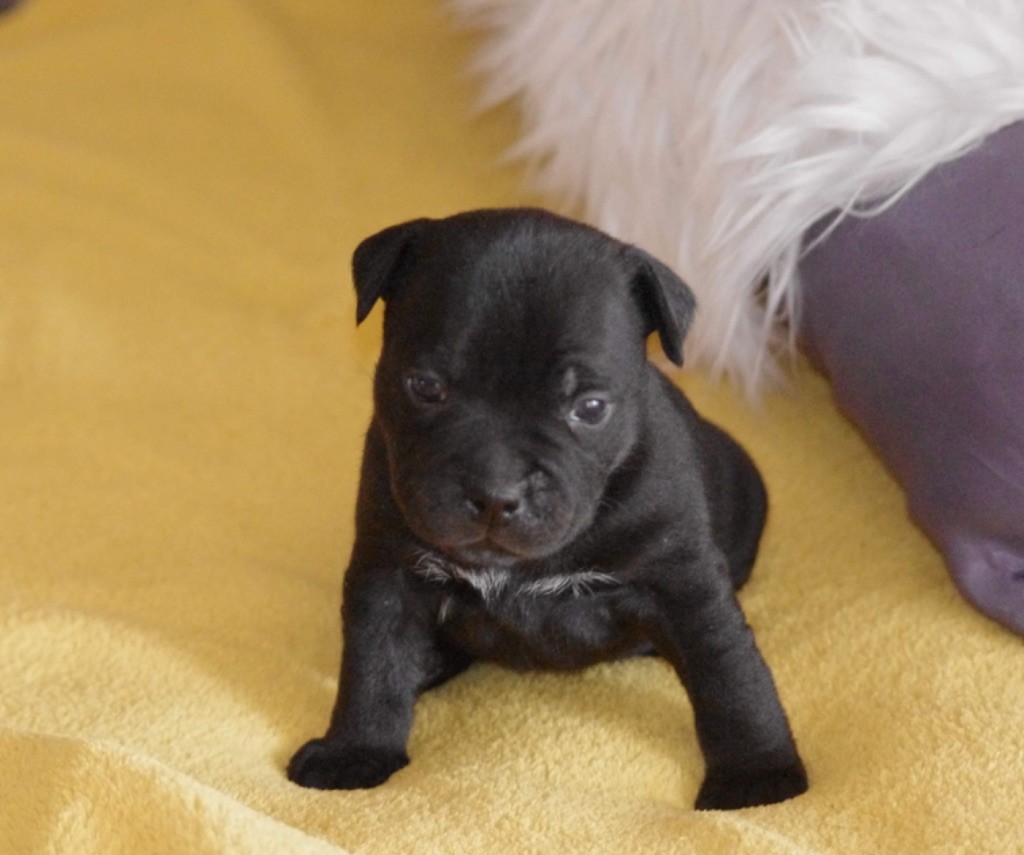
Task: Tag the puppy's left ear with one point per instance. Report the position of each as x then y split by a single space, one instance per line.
379 262
666 301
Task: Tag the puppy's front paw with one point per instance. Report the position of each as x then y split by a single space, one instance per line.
325 765
749 789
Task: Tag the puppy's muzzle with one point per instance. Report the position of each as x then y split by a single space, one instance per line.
489 513
501 507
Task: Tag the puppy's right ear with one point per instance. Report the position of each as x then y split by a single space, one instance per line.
379 262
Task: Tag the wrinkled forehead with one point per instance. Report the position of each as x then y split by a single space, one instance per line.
536 300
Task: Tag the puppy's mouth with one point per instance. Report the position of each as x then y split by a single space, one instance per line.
484 553
490 552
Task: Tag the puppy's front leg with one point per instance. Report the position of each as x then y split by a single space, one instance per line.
748 748
387 652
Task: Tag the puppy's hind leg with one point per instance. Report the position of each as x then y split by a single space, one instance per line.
738 498
453 663
751 514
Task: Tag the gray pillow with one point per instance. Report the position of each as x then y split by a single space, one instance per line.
917 316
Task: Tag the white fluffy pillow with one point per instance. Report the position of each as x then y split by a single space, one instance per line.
714 132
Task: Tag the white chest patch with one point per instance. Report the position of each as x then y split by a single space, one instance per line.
490 583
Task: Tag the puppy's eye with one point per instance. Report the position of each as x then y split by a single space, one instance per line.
426 388
591 411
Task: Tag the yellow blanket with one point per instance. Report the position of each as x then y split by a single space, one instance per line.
182 400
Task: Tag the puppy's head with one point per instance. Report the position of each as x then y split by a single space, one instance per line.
511 381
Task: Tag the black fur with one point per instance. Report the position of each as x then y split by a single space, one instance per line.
495 522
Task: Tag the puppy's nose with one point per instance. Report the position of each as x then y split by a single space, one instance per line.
496 505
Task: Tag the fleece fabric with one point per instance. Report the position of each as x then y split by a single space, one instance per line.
182 401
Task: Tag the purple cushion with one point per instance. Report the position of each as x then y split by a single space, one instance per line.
917 316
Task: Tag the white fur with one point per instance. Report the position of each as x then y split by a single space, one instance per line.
490 583
714 132
578 584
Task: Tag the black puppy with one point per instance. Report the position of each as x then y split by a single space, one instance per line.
535 493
